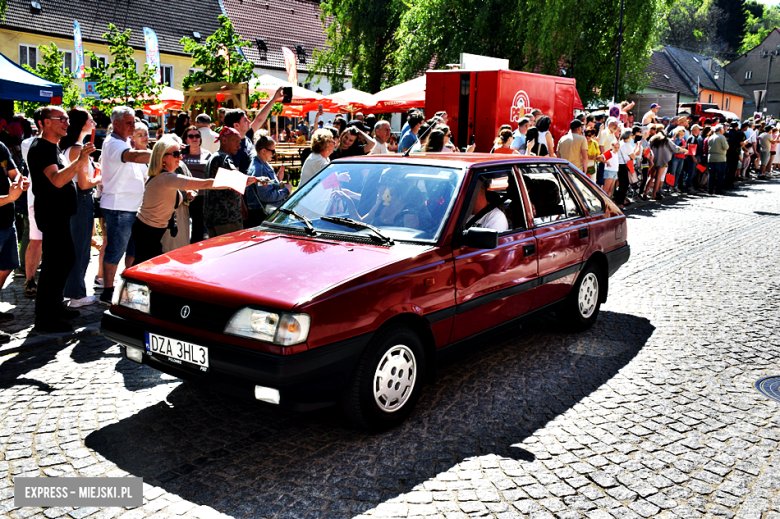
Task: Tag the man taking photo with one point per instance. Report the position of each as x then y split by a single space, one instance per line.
55 203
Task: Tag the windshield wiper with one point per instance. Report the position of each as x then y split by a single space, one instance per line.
355 224
296 214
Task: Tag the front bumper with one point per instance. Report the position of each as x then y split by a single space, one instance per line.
306 381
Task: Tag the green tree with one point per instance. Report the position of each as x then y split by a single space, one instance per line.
731 24
360 36
220 58
51 67
119 82
693 25
556 37
758 27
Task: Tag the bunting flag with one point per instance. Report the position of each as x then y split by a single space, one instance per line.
153 53
78 46
291 64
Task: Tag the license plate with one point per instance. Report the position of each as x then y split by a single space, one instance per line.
177 351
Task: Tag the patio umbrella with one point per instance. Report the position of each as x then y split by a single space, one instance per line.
169 99
301 96
400 98
351 100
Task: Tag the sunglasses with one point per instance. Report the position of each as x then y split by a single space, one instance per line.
273 152
193 136
176 154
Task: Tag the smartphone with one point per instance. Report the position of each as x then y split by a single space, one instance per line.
185 150
471 139
287 92
92 137
319 108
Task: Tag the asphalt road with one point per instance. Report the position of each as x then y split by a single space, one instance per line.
651 413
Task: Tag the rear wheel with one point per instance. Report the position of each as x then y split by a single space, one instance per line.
581 308
387 381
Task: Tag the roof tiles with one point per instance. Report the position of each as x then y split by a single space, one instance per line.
279 23
170 20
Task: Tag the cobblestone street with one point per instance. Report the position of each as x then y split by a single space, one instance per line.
651 413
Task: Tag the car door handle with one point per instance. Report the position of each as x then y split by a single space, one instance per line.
583 233
529 250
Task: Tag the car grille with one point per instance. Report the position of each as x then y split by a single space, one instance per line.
204 316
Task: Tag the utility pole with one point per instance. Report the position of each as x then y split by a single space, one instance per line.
617 60
768 71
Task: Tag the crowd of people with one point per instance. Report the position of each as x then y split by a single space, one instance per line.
684 154
139 197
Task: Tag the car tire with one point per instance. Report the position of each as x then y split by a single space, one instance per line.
581 308
387 380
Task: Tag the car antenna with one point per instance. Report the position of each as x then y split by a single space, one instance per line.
409 149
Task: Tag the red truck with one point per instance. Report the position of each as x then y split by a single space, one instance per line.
479 102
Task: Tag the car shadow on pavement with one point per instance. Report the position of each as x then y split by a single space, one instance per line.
247 459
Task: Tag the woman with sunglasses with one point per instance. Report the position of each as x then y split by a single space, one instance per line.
262 199
161 197
82 224
196 161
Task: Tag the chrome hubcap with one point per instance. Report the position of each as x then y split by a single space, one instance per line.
394 378
589 293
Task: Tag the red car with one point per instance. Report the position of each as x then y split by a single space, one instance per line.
369 275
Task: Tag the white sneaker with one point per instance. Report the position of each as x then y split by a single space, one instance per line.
84 301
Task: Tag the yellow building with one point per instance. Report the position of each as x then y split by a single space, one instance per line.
29 24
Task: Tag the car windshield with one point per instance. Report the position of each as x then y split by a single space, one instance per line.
405 202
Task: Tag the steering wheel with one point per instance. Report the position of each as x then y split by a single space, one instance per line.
398 221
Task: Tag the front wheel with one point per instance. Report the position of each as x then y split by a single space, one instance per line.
387 381
581 308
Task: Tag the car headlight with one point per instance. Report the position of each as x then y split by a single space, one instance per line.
277 328
134 295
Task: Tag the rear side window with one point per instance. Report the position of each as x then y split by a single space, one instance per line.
551 198
593 202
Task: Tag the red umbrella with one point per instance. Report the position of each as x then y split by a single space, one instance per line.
301 96
350 100
400 98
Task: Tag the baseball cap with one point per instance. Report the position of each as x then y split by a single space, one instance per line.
664 118
360 125
655 105
576 123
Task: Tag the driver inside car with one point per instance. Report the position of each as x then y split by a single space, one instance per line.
399 203
495 218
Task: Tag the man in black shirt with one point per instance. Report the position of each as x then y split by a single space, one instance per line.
55 203
12 184
736 139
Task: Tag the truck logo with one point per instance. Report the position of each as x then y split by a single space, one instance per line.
185 311
520 106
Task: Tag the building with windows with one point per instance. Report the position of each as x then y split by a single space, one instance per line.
29 24
680 76
759 69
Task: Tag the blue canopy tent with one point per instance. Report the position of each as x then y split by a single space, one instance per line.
17 84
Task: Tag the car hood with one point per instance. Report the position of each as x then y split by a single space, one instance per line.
266 269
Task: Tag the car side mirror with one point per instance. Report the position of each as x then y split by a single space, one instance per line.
479 238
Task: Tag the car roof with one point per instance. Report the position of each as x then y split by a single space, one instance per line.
462 160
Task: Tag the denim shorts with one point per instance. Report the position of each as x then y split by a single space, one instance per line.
9 250
608 173
119 230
